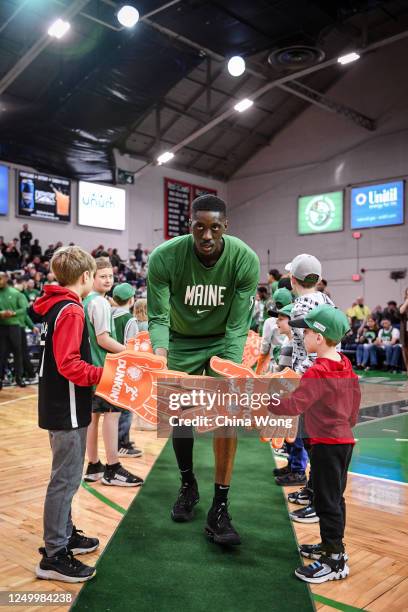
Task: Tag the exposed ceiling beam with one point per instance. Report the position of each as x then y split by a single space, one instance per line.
44 41
172 144
278 82
318 99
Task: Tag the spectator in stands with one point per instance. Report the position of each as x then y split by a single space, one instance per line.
116 259
284 282
139 253
377 313
50 279
25 239
322 287
388 342
140 314
49 252
273 280
365 339
36 250
13 305
11 257
403 309
30 292
260 312
358 313
391 312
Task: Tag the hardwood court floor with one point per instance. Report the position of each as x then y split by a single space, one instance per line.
377 532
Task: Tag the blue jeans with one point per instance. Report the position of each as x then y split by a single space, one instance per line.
298 457
125 421
366 355
393 355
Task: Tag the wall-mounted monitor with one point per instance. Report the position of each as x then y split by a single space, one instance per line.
377 205
101 206
4 191
40 196
320 213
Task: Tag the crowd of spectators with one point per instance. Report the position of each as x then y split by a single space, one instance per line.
24 271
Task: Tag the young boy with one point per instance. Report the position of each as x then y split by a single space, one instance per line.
282 322
305 273
64 404
125 328
102 337
271 337
329 397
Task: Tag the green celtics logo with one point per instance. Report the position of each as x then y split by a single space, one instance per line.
320 213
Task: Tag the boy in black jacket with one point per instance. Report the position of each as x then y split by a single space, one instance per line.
64 405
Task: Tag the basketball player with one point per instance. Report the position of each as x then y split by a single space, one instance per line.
200 298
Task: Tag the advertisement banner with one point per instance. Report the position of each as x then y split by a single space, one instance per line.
320 213
101 206
377 205
43 197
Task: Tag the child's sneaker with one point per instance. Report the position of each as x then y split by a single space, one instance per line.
291 479
328 568
94 472
303 497
79 544
116 475
315 551
281 471
63 566
304 515
129 450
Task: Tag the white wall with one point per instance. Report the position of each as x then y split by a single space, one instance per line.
319 152
144 212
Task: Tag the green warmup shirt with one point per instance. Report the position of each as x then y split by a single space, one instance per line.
188 300
12 299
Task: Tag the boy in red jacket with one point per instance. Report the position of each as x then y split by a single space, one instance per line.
329 396
64 406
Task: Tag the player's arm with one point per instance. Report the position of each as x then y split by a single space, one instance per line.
158 305
22 305
240 315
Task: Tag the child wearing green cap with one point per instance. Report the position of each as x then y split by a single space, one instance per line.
272 338
282 321
329 397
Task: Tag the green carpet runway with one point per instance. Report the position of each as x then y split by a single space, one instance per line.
152 564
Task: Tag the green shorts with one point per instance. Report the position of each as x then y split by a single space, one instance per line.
192 355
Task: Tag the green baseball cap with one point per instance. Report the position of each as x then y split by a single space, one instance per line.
282 296
331 322
286 310
124 291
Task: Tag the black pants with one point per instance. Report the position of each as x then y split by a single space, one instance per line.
28 369
330 463
10 342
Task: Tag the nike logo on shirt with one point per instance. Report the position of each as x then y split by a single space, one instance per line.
201 311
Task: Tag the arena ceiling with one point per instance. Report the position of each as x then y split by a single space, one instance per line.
66 105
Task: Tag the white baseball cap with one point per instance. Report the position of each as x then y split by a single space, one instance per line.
304 265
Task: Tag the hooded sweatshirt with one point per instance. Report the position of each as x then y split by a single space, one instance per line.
66 371
329 397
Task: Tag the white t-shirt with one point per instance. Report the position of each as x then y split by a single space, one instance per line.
271 336
99 313
387 335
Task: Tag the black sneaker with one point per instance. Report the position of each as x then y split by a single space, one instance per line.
188 497
281 471
219 528
315 551
291 479
94 472
129 450
116 475
20 382
63 566
79 544
304 515
303 497
325 569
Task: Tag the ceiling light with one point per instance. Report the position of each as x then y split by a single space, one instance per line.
128 16
243 105
236 66
165 157
59 28
347 59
